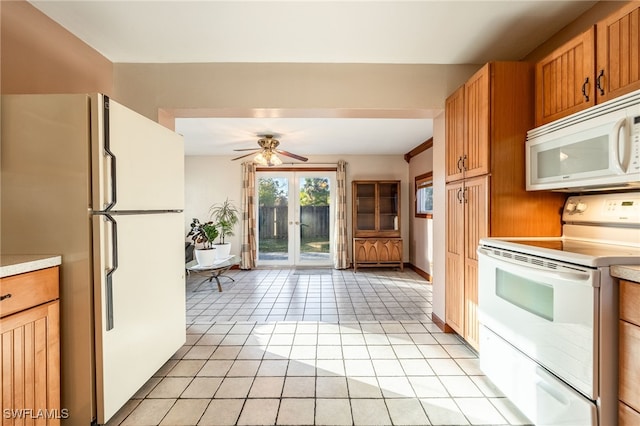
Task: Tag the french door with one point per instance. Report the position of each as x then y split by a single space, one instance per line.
295 217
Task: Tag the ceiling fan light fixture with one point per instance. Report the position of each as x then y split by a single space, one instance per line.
267 154
267 158
274 160
260 159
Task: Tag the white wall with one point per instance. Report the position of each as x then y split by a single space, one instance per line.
439 216
211 179
421 230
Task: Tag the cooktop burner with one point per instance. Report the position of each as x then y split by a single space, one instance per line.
598 230
569 250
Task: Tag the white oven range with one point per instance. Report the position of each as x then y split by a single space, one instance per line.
548 311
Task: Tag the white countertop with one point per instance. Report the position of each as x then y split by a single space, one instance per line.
14 264
626 272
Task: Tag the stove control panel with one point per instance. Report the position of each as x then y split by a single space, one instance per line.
603 208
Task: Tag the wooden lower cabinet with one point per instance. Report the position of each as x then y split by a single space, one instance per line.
30 354
629 354
377 252
627 416
467 215
454 258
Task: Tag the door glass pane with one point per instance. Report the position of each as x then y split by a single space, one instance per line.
533 296
273 218
314 218
388 207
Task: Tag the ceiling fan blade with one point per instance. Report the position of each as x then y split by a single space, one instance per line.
245 149
246 155
289 154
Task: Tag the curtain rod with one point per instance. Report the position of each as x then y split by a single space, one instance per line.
296 164
304 164
288 166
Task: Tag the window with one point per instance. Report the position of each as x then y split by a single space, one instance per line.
424 195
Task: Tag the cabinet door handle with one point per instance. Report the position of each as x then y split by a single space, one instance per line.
5 296
459 195
464 195
464 162
599 82
458 164
584 89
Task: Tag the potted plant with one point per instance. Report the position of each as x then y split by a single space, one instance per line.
205 234
225 215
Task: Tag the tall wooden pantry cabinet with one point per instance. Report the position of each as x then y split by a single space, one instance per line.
376 223
486 123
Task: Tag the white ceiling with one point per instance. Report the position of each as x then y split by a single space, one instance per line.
306 31
307 136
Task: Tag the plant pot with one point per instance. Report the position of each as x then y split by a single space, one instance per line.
205 257
223 250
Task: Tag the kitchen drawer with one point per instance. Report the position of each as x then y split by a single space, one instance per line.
630 302
26 290
627 416
629 367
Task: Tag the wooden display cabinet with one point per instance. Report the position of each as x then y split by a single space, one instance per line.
376 223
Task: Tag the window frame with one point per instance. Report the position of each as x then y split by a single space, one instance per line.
423 181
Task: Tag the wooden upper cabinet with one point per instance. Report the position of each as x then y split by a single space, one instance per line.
618 45
596 66
467 128
477 98
454 121
565 80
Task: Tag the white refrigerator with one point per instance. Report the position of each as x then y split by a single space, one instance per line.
102 186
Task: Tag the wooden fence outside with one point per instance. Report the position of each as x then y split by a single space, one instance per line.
274 222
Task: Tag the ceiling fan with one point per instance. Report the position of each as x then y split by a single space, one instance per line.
266 155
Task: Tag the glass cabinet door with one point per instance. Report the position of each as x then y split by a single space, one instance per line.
366 206
388 206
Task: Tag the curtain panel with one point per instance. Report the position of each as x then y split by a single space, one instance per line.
340 253
248 255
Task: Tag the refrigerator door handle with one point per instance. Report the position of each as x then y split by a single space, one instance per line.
110 271
110 154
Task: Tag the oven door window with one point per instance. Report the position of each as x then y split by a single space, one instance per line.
532 296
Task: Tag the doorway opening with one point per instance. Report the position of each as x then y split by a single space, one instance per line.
295 211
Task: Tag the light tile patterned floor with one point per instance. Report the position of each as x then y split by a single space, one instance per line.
287 347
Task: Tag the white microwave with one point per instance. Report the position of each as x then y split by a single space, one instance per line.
595 149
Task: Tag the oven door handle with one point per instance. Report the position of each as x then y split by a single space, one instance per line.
561 275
